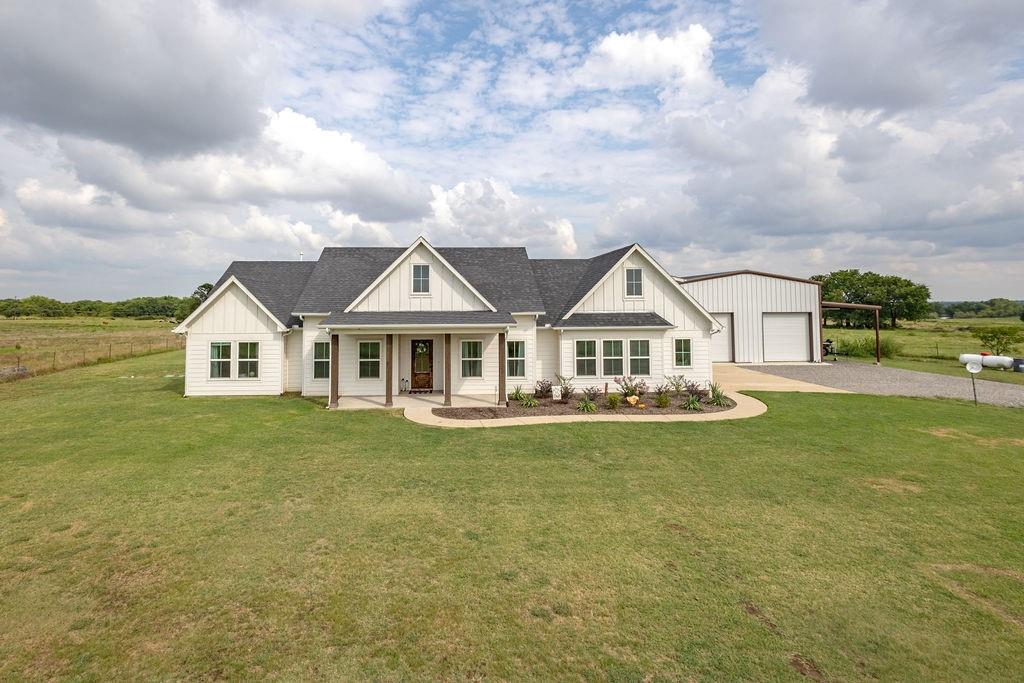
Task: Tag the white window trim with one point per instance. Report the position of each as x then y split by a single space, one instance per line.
621 357
258 359
509 358
464 358
316 360
379 360
625 282
210 359
412 280
576 358
629 351
678 339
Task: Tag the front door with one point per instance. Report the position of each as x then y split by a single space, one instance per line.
422 364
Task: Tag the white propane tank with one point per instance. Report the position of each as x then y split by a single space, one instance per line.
966 358
987 361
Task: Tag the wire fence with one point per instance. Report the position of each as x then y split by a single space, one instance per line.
21 363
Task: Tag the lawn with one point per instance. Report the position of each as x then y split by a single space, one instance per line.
144 535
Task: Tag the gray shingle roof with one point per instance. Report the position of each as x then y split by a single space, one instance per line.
277 284
356 318
341 274
501 274
614 320
563 282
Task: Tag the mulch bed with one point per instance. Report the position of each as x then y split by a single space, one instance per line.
551 407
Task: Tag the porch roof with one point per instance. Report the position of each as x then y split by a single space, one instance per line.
397 319
625 319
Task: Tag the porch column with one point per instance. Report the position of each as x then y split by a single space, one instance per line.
878 342
390 354
334 372
502 397
447 369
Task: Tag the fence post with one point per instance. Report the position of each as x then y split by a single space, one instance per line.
53 364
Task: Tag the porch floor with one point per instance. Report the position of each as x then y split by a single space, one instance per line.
403 401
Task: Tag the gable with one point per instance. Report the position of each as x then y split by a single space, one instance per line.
232 311
448 290
661 295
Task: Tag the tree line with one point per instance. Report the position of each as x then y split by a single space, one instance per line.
992 308
152 307
900 298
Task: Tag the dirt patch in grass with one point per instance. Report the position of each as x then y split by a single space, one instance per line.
999 442
755 611
893 485
939 571
551 407
805 666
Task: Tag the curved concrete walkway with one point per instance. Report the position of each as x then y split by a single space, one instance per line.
745 407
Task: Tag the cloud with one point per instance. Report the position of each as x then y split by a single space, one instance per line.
627 60
160 78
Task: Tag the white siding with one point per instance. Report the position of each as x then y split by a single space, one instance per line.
312 333
748 297
525 330
661 349
293 361
447 292
546 360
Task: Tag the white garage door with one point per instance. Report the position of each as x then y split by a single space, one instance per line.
787 337
721 343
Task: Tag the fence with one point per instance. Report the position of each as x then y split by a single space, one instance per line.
26 362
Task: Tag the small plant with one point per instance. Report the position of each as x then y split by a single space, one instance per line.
567 388
662 390
662 400
692 402
543 389
528 401
678 384
586 406
631 386
613 401
592 393
517 393
695 389
717 397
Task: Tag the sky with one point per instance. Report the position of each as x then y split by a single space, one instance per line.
146 145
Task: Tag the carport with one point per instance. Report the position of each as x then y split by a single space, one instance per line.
840 305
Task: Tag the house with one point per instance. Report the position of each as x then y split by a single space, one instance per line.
381 321
765 317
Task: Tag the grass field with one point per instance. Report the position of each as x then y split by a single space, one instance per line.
144 535
46 344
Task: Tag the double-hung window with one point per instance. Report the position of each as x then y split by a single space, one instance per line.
611 357
683 354
634 282
420 278
220 360
586 358
516 358
369 360
321 360
248 360
472 358
639 357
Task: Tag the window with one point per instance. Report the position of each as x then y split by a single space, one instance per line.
369 360
611 352
683 358
321 360
220 360
248 360
639 357
586 358
421 279
516 358
634 282
472 359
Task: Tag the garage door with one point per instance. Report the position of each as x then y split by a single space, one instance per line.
721 343
787 337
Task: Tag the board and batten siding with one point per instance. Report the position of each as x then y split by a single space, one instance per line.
233 310
293 361
447 292
546 360
748 297
662 350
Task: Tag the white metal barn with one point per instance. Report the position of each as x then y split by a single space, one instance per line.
765 317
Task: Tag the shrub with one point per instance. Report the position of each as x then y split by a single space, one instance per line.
662 400
586 406
567 388
631 386
717 395
662 390
517 393
691 402
543 389
613 401
865 346
678 384
999 339
592 393
695 389
528 401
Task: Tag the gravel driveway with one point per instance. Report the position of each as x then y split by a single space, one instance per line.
872 379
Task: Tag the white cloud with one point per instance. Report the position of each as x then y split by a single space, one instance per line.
638 58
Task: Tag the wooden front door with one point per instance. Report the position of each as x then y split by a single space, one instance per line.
422 364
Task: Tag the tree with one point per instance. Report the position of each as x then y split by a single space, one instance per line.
900 298
191 303
999 339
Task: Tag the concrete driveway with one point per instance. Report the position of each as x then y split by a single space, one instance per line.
738 377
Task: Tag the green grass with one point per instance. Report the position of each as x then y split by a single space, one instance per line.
143 535
934 339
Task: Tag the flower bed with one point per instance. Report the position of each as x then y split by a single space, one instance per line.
547 406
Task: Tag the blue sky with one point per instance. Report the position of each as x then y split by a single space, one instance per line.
778 135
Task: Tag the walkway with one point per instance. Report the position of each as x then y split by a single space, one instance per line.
739 377
425 401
